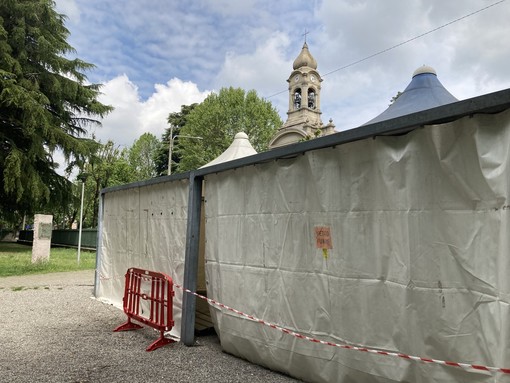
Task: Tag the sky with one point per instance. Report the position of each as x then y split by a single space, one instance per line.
153 56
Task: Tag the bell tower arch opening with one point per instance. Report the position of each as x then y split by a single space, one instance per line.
297 99
311 98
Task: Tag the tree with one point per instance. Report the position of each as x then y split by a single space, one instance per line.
45 105
110 166
176 120
141 156
107 167
394 98
218 119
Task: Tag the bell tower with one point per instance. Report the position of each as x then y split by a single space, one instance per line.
304 114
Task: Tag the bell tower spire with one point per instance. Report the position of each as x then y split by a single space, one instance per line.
304 113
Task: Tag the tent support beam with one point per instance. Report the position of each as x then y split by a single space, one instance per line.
99 253
191 259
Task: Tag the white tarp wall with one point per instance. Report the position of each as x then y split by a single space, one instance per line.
420 257
144 227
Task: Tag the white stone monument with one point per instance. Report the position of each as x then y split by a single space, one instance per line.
43 225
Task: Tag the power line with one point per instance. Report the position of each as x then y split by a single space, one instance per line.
405 42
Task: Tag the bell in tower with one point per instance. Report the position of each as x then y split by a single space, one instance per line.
304 114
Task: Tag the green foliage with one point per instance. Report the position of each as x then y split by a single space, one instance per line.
141 157
308 137
45 104
122 172
106 167
176 120
218 119
394 98
67 211
110 166
16 259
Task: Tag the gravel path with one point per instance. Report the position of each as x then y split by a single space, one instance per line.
52 331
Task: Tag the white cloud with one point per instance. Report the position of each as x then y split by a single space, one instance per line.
231 8
132 117
252 44
265 70
469 55
168 98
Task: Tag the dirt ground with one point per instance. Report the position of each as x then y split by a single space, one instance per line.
51 330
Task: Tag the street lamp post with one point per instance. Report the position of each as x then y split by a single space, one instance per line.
171 146
82 177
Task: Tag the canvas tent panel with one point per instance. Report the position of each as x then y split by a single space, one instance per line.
419 258
144 227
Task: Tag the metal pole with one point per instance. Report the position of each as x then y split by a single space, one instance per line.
81 219
99 241
191 259
170 148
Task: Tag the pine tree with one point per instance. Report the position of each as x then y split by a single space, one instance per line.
45 104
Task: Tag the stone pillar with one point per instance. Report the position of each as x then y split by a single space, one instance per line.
43 225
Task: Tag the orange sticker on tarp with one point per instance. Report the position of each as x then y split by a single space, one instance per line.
323 237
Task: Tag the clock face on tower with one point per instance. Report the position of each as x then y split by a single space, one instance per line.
296 79
312 78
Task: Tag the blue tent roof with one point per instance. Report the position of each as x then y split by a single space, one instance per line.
424 91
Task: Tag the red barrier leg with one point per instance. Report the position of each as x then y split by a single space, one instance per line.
162 341
128 326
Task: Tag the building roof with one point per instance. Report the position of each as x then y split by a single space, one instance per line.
424 91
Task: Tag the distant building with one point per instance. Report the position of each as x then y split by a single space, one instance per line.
304 114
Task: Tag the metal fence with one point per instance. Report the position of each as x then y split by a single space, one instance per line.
60 237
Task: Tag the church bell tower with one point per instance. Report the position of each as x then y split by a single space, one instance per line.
304 114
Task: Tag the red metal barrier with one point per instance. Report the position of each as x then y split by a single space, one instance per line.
148 292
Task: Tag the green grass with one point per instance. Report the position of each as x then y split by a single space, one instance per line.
16 259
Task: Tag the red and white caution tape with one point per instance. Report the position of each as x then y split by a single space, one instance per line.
466 366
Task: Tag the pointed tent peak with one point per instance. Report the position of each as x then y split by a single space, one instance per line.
424 69
241 136
239 148
425 91
304 58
